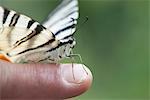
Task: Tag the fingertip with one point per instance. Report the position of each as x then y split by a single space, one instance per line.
77 79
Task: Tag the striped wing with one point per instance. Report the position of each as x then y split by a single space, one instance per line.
63 19
23 39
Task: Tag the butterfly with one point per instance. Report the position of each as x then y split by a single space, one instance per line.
24 40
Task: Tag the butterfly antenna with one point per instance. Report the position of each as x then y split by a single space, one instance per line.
74 24
82 24
78 55
86 19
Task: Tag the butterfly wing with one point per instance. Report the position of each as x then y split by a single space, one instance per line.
63 19
22 38
62 22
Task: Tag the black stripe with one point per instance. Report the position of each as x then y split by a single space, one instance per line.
63 5
14 18
71 26
6 13
64 18
48 58
50 41
30 23
66 37
39 28
23 39
60 44
37 31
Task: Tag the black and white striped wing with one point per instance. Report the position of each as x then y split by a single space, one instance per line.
63 19
22 38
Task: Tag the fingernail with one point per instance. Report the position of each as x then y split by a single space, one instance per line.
75 73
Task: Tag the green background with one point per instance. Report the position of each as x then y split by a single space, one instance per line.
113 43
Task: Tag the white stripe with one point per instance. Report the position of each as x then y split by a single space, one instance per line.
23 21
61 12
37 40
62 17
63 20
1 17
65 33
62 24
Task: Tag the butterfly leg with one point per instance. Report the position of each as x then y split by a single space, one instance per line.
57 61
72 55
72 59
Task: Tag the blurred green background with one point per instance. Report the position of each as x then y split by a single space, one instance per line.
113 44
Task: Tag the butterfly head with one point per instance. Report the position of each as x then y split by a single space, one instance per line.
73 42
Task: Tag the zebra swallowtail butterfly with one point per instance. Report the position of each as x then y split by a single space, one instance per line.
24 40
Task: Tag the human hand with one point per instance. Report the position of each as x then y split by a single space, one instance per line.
42 81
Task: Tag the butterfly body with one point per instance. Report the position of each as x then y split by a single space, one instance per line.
24 40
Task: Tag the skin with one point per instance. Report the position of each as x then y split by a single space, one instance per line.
43 81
